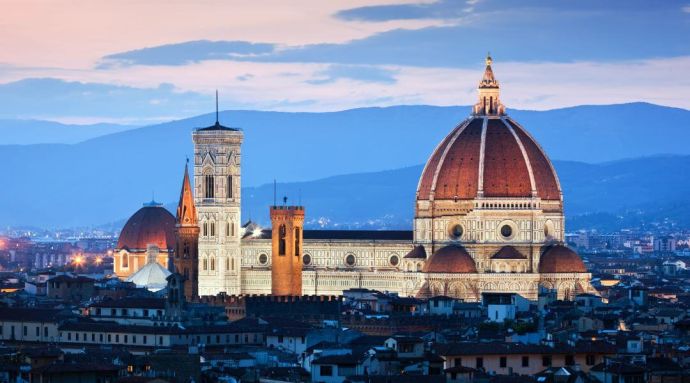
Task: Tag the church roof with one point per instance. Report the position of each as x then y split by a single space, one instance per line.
355 235
218 126
152 276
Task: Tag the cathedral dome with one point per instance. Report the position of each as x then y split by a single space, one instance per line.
450 259
488 155
150 225
561 259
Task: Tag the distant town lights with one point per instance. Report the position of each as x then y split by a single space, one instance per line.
78 260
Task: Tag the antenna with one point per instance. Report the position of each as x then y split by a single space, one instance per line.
274 193
216 106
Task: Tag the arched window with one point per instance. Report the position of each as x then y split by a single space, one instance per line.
213 264
297 249
125 260
229 187
185 252
213 229
208 186
227 229
205 229
204 264
232 229
282 232
227 263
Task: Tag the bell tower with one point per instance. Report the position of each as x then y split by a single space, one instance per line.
286 251
186 258
217 154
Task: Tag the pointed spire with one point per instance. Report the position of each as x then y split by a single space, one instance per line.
489 103
186 210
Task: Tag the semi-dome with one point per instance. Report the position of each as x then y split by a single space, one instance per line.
150 225
561 259
488 155
450 259
508 252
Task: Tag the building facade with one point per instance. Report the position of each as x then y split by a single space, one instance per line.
488 218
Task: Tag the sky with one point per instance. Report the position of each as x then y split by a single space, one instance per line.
140 62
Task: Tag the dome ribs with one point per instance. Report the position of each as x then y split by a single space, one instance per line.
505 170
427 179
459 172
545 179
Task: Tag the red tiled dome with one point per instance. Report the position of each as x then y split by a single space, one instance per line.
560 259
509 153
450 259
149 225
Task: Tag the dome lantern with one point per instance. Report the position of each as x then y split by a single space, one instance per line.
489 103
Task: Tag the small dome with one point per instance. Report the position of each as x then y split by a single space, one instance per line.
150 225
450 259
508 252
560 259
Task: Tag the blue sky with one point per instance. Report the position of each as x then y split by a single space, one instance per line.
109 62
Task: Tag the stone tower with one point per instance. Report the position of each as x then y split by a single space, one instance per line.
286 252
186 258
217 154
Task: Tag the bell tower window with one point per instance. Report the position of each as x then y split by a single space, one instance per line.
208 186
229 187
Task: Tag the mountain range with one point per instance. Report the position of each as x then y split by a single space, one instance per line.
28 132
606 196
106 178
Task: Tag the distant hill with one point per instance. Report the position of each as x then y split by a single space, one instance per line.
604 196
107 178
28 132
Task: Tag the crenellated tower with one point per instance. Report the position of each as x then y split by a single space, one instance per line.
286 252
217 154
186 258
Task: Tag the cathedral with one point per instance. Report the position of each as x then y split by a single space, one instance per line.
488 218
